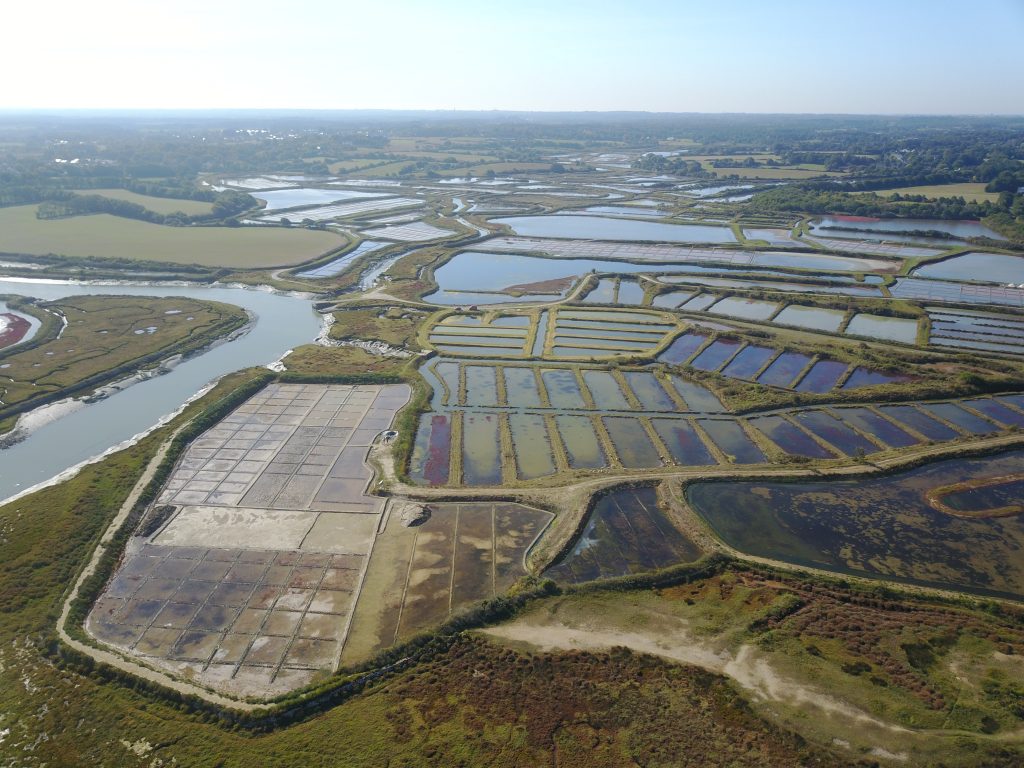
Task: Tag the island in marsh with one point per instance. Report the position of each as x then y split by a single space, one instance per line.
104 338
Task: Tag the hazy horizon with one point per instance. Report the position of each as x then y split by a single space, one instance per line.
912 58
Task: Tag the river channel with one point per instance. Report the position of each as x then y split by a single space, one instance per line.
282 323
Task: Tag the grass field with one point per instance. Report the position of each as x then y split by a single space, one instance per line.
774 173
103 235
105 334
349 166
970 192
511 167
164 205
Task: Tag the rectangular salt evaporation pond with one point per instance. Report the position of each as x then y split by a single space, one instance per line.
643 319
430 460
485 334
521 387
682 349
823 262
700 302
697 398
532 449
918 421
1016 400
599 228
597 333
603 292
898 329
338 265
562 388
583 449
541 335
952 228
479 346
865 377
822 376
683 442
476 350
630 293
621 210
871 423
605 391
947 290
447 373
811 318
649 391
993 409
732 441
746 309
481 385
789 438
975 266
600 328
467 276
985 345
748 362
712 358
992 332
770 236
632 443
835 433
784 369
958 417
292 198
481 449
672 299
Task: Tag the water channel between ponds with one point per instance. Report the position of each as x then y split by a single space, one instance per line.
282 323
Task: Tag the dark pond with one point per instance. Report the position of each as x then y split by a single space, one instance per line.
919 421
625 533
732 441
784 369
631 442
748 362
682 349
683 442
712 358
790 438
835 433
872 423
822 377
876 526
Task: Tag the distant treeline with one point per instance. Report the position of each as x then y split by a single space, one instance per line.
63 204
809 200
677 164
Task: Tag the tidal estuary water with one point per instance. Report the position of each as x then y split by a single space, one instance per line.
281 323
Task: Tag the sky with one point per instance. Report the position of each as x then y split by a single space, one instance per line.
892 57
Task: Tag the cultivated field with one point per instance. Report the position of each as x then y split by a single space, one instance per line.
968 191
102 235
164 205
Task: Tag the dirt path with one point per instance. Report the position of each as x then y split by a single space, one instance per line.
747 667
